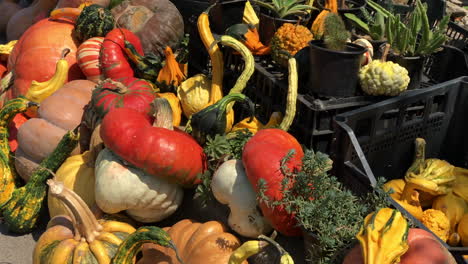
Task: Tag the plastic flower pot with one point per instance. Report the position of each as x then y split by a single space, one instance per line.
334 73
354 7
268 24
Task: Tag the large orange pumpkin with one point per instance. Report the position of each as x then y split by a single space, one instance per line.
37 51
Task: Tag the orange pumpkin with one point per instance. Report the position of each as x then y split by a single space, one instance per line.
197 243
36 53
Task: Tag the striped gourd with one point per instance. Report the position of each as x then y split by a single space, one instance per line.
93 21
22 211
88 58
80 239
146 234
8 174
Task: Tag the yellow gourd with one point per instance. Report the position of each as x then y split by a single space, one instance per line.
255 125
39 91
397 185
175 106
453 207
171 73
319 22
463 230
383 237
77 174
409 200
460 187
437 222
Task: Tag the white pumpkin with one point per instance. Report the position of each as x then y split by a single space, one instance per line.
119 187
367 56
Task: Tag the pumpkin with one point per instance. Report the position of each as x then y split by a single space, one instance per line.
77 174
88 58
175 106
34 57
94 21
262 156
424 248
77 3
453 207
81 238
143 197
179 158
26 17
9 9
58 113
113 61
22 211
127 92
157 23
8 175
197 243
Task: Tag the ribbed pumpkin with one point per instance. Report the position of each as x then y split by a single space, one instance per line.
34 56
157 23
88 58
58 113
197 243
82 239
77 174
93 21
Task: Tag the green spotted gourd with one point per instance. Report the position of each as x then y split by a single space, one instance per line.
93 21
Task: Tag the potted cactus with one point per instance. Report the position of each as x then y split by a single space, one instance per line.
334 62
274 13
412 39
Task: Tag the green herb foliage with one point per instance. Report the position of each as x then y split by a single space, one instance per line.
323 206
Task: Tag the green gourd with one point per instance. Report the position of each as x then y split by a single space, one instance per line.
94 21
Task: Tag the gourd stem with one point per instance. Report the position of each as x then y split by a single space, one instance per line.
385 52
85 223
162 112
216 56
235 97
119 87
292 96
65 52
273 243
419 157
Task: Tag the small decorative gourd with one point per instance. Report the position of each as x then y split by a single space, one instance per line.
437 222
94 21
381 77
79 237
289 39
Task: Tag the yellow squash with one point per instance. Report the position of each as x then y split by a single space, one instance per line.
175 106
437 222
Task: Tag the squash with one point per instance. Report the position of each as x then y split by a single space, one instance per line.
453 207
156 27
127 92
437 222
397 186
171 73
255 125
143 197
287 41
460 187
331 6
463 230
26 17
58 113
9 9
261 158
94 21
175 106
79 238
34 57
197 243
88 59
8 173
424 248
21 212
77 174
113 58
409 200
41 90
248 35
180 159
77 3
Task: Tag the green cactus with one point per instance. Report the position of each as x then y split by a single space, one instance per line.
335 33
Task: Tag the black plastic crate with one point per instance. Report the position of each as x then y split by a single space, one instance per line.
378 140
457 36
445 65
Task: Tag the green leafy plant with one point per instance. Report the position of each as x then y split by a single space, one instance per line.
284 8
323 206
374 26
414 36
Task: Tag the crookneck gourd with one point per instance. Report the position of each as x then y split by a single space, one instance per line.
433 176
77 174
196 243
79 238
21 212
8 173
383 237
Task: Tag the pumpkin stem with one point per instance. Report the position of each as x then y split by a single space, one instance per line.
86 223
162 112
278 247
385 52
292 95
419 156
65 52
